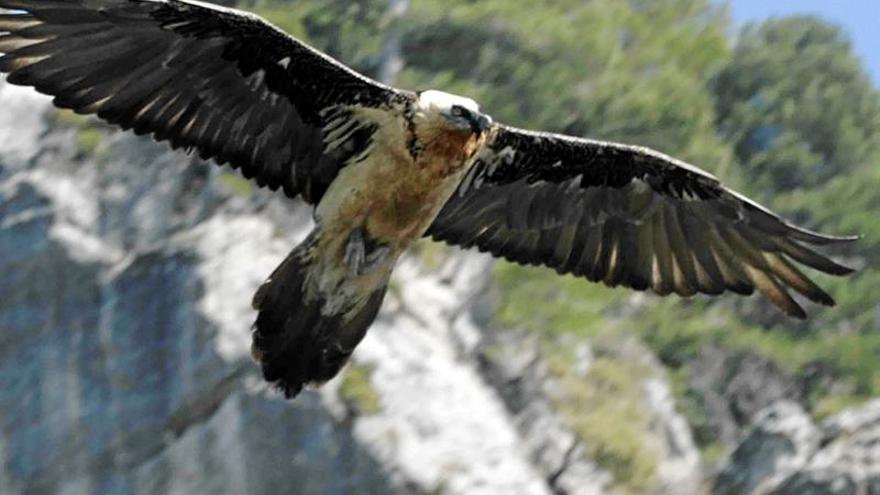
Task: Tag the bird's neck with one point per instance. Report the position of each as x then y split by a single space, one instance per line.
442 150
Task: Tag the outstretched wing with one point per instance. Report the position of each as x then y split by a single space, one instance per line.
627 216
224 83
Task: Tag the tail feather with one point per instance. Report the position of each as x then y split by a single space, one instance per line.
295 343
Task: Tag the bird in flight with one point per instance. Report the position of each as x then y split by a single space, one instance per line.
384 167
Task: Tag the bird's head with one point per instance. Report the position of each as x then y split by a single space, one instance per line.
455 112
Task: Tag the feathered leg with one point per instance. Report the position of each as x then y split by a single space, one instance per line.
300 336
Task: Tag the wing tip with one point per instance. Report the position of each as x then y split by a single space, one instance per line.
847 271
843 239
817 239
818 296
797 313
825 300
839 270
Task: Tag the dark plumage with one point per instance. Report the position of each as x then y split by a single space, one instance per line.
384 167
629 216
220 82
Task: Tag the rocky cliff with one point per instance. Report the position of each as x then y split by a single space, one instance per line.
127 272
124 304
787 454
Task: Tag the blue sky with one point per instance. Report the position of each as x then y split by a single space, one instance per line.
860 19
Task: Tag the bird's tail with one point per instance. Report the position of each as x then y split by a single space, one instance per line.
295 340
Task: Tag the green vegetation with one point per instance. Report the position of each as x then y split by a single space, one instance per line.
89 137
236 184
677 330
357 391
606 409
431 253
89 141
804 123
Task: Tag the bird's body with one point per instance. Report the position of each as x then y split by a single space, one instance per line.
395 192
385 167
390 199
370 214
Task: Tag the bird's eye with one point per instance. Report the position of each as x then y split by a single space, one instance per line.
457 111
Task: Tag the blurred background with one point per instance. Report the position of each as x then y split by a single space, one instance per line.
126 273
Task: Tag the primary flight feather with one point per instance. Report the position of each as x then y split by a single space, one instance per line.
384 167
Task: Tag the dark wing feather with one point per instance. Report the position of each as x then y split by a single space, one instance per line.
628 216
223 83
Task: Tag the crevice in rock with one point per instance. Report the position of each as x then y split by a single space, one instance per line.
201 408
567 460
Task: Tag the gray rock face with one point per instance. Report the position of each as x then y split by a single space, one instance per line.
734 388
515 367
786 454
781 442
112 380
124 355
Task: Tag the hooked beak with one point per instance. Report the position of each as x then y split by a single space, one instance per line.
482 123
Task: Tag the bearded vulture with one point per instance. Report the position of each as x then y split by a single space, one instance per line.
384 167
